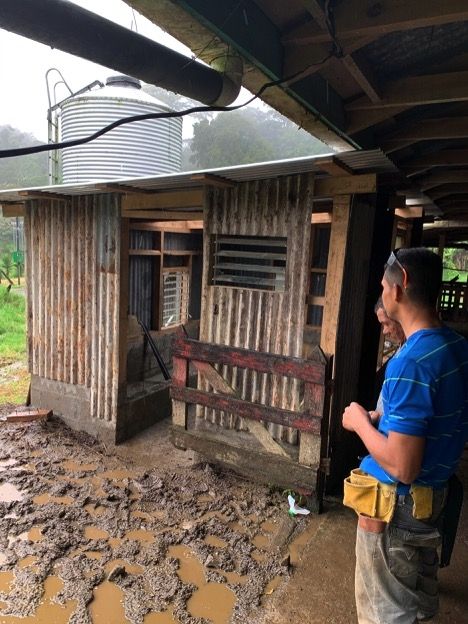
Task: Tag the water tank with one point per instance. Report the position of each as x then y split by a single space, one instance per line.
141 148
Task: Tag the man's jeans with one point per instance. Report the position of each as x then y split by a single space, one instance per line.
396 571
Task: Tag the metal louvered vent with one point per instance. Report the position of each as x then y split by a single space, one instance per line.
253 262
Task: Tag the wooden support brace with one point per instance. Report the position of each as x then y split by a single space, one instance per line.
179 380
221 385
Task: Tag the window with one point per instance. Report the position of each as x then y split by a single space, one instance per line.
253 262
316 299
175 296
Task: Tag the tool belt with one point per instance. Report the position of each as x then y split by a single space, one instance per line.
374 499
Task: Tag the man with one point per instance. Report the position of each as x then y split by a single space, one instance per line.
416 447
393 333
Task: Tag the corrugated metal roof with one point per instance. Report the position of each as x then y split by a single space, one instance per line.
357 161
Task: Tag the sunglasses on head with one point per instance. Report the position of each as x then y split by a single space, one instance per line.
392 259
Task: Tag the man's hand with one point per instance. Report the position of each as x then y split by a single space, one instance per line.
354 416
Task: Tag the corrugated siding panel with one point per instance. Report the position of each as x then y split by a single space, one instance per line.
271 322
73 295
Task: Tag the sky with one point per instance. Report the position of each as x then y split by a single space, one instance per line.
24 63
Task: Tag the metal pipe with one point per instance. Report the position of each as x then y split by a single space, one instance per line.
68 27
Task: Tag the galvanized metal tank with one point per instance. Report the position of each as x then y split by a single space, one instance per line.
141 148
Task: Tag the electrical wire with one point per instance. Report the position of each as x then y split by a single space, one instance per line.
22 151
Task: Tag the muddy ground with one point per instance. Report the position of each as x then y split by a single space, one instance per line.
88 537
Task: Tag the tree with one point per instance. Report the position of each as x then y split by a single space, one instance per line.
247 136
20 171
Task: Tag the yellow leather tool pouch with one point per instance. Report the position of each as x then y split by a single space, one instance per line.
368 496
422 501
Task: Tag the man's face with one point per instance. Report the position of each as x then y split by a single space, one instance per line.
391 330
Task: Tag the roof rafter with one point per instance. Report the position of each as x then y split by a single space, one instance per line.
442 158
418 90
355 18
427 129
438 178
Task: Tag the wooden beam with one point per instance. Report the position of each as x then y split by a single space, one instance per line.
355 18
257 429
360 120
335 268
328 187
362 73
186 227
425 130
315 9
144 252
333 166
212 180
448 189
412 212
247 409
446 224
43 195
417 91
321 217
163 215
13 210
442 177
192 198
442 158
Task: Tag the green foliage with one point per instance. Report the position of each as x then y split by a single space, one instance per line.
12 325
21 171
247 136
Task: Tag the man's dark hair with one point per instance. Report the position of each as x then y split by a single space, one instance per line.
424 270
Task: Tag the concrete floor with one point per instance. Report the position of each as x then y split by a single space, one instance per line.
321 588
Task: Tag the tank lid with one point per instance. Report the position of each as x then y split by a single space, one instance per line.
121 80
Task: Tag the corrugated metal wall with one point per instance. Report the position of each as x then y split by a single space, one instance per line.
267 321
73 266
141 277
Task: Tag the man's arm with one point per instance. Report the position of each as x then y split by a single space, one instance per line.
400 454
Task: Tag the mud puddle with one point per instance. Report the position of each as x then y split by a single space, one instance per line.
87 538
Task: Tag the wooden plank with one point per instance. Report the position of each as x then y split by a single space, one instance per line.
29 415
13 210
162 215
305 370
425 130
411 212
362 73
250 410
333 166
179 380
310 445
221 385
329 187
357 18
442 177
417 91
335 268
212 180
321 217
144 252
253 464
192 198
360 120
184 227
442 158
44 195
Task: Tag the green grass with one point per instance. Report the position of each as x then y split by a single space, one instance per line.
451 273
12 326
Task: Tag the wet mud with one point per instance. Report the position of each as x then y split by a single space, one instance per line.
88 538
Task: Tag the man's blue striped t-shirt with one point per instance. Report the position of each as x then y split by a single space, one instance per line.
425 394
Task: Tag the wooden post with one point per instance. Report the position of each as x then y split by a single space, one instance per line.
441 244
123 309
179 379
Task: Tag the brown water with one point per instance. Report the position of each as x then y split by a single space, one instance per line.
272 585
28 561
165 617
212 601
6 581
93 533
74 466
130 568
212 540
46 499
141 536
107 605
48 612
261 541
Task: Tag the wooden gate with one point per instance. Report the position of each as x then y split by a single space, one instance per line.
254 454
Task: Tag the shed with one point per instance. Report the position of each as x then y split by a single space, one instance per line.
275 303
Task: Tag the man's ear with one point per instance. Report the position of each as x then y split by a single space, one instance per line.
398 292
